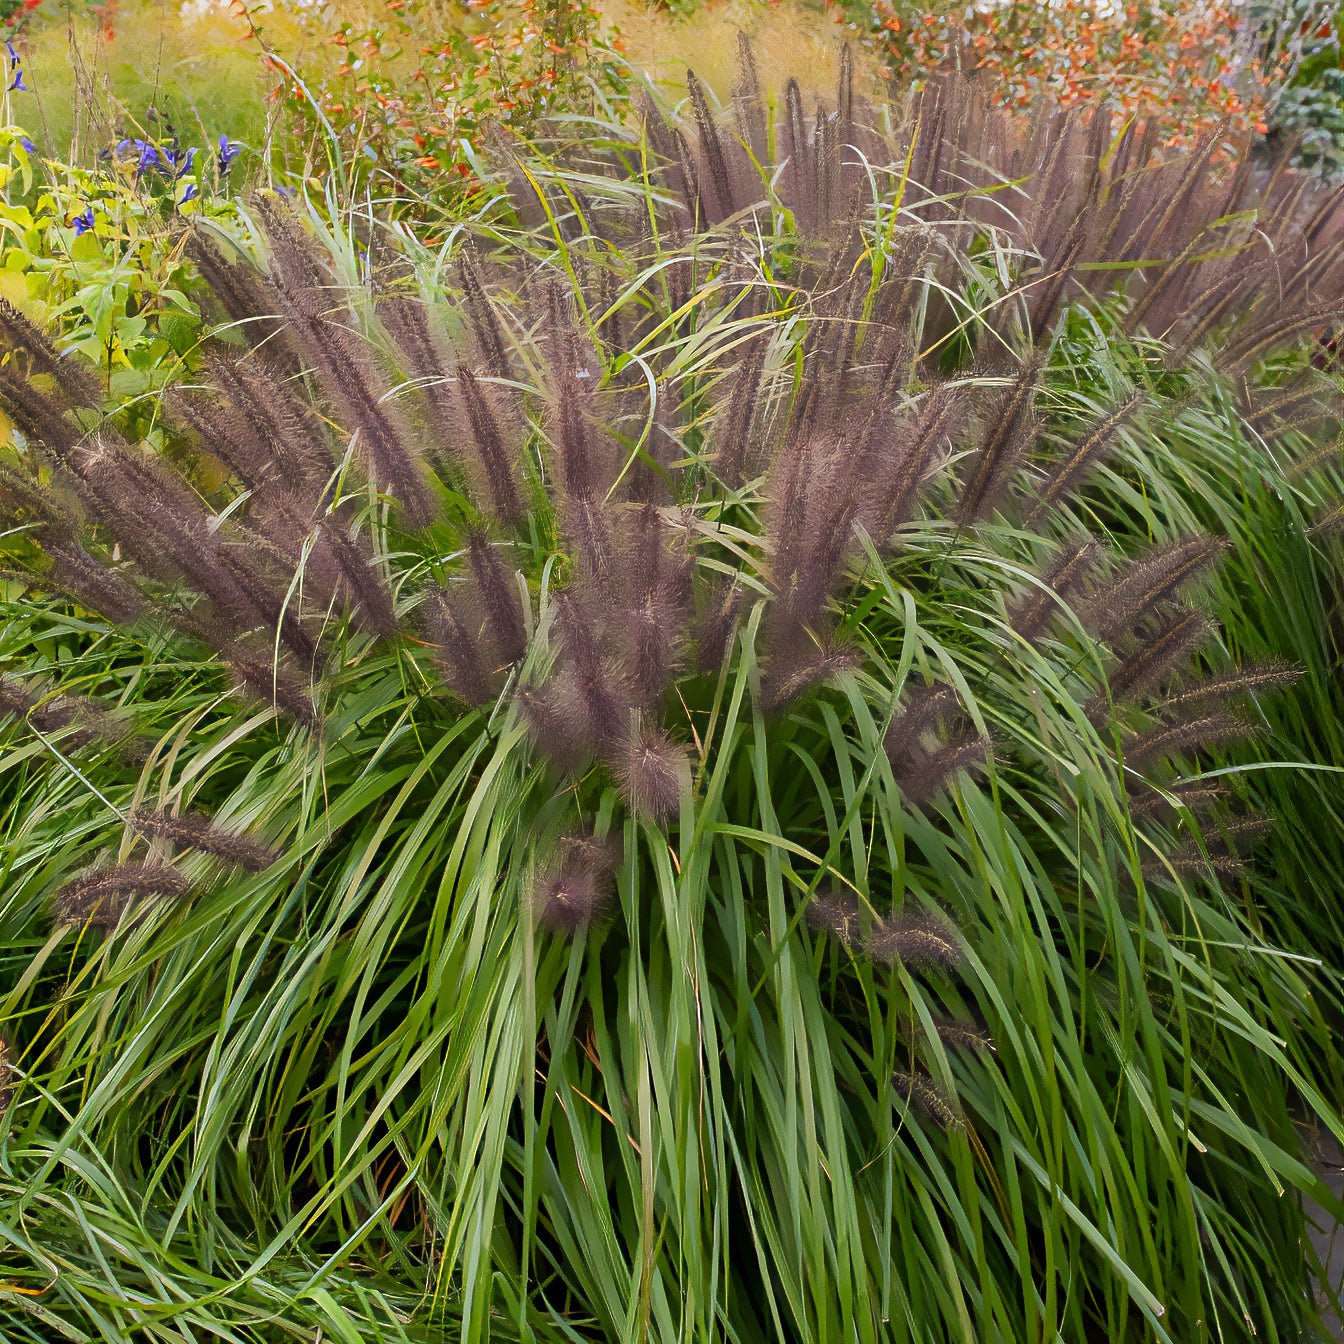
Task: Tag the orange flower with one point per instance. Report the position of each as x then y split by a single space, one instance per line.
426 161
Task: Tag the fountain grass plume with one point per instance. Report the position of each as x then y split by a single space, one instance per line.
104 896
191 831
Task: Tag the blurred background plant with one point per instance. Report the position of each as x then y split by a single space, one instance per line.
401 94
1307 109
1190 66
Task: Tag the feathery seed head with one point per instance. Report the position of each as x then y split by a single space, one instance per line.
835 912
1090 450
497 592
557 722
1154 658
196 832
653 773
1148 581
1231 686
1010 431
921 942
920 1089
1184 735
962 1033
7 1076
930 772
456 629
1031 615
578 888
101 896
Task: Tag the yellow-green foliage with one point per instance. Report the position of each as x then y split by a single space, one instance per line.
195 64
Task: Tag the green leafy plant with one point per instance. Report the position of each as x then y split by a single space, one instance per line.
662 795
98 256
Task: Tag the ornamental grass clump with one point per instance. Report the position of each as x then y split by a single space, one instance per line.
681 773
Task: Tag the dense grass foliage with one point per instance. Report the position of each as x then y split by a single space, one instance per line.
649 774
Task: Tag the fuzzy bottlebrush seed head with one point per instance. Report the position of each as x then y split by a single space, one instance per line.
485 418
836 913
1192 861
1231 687
930 772
927 749
6 1076
1090 450
554 722
716 624
497 592
79 720
736 457
74 379
921 1090
1147 582
257 675
800 663
1011 430
101 896
962 1033
652 773
93 584
196 832
1183 736
40 418
919 941
901 455
364 587
484 320
588 691
1153 659
578 889
323 329
927 708
241 291
456 633
1149 802
1032 614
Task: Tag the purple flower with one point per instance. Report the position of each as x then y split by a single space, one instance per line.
83 223
27 144
14 60
228 151
172 162
190 194
18 86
